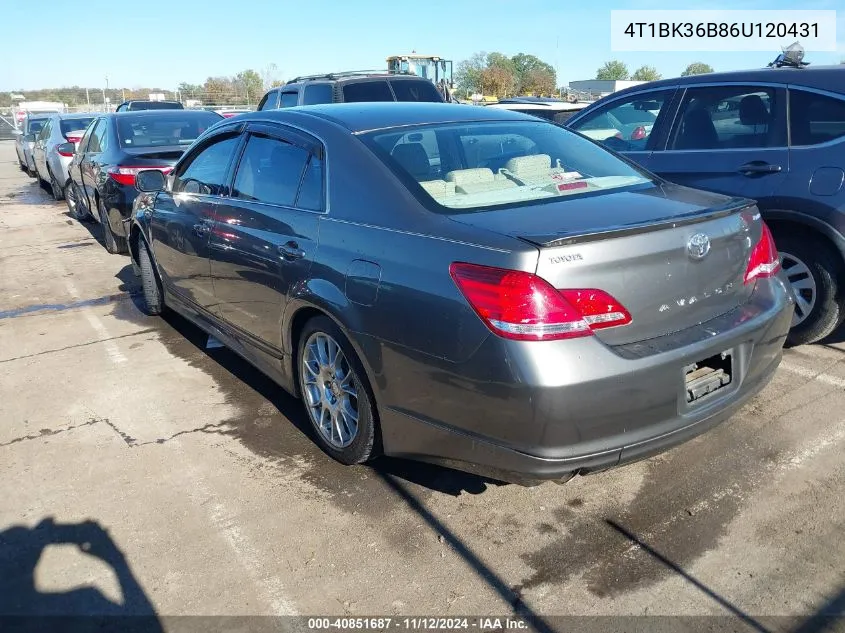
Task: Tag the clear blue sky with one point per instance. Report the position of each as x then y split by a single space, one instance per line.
164 42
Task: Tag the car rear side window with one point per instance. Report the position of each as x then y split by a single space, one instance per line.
268 102
289 99
206 172
815 118
409 90
98 141
729 117
366 91
317 93
270 171
311 190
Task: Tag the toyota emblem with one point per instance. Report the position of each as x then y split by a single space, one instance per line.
698 246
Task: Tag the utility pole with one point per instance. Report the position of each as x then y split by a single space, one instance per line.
88 98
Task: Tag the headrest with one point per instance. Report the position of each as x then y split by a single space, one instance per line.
529 164
752 111
470 176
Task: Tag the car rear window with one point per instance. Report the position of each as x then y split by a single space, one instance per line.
416 91
164 128
367 91
482 165
155 105
74 125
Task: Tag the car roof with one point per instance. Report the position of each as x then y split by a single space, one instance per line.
369 116
76 115
819 77
352 76
560 106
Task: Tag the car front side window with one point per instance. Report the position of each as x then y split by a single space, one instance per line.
205 172
729 117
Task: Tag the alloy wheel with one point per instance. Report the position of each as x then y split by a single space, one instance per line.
330 390
803 286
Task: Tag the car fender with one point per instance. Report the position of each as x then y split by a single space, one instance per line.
819 225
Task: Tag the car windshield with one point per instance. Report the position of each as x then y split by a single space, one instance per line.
479 165
74 125
177 127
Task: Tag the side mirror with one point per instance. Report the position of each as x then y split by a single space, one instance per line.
17 132
29 138
149 181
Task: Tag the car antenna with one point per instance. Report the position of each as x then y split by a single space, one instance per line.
791 57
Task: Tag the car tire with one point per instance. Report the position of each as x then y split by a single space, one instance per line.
319 383
814 271
150 283
76 204
114 243
55 189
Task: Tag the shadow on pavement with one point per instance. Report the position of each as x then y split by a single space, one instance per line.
24 608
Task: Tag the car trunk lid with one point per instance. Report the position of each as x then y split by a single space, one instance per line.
673 257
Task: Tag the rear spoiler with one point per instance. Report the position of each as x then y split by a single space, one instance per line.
735 205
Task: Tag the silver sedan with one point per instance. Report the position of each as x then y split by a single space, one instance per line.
54 148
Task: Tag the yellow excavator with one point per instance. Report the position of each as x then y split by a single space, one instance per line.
432 67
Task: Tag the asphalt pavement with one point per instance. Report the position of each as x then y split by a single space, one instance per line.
141 472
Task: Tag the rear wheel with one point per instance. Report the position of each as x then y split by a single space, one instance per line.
76 202
153 295
814 271
55 188
114 243
337 398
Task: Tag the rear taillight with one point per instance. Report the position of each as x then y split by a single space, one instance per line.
71 138
66 152
522 306
638 134
126 175
764 260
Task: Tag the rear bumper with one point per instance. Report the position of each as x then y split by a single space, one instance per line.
118 201
625 404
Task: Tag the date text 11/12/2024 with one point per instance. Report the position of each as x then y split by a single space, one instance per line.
418 623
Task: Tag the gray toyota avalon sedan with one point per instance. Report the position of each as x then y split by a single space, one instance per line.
463 285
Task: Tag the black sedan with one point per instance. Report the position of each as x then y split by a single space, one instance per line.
114 148
465 285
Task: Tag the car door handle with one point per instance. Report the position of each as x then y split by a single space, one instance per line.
291 250
759 168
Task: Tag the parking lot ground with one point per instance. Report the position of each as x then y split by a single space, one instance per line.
201 474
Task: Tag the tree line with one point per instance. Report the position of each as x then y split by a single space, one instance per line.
245 88
616 70
503 76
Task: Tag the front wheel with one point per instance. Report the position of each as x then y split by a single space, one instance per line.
335 393
814 272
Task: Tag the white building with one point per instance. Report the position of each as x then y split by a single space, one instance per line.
601 87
